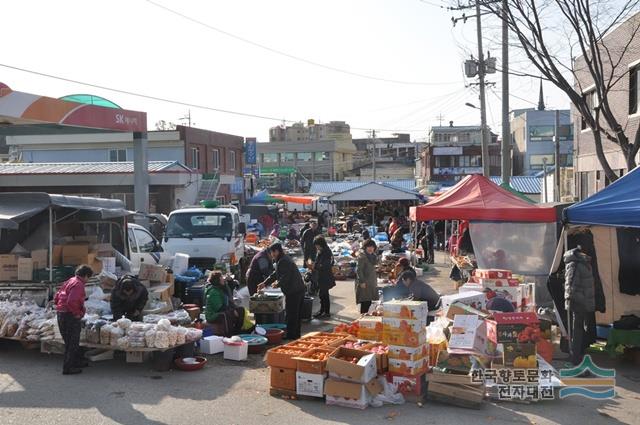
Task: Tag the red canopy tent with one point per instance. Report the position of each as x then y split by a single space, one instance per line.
297 199
478 198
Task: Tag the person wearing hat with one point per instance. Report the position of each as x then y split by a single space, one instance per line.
287 277
409 283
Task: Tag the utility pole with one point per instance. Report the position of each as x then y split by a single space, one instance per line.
506 125
373 140
483 100
556 176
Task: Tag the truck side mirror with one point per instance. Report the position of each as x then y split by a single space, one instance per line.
242 228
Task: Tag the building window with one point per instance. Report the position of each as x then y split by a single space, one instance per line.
195 158
464 161
540 133
288 157
634 89
566 160
322 156
232 160
494 160
117 155
269 157
476 161
215 159
592 100
304 156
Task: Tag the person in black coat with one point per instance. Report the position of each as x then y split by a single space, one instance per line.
287 277
323 273
306 240
128 299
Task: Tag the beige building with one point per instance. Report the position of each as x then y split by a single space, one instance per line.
312 152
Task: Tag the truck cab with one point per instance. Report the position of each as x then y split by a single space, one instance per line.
207 235
144 247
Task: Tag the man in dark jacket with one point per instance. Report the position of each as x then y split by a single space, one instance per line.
420 290
287 277
306 239
260 268
128 299
579 299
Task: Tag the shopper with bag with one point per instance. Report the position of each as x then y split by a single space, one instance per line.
323 275
69 301
366 276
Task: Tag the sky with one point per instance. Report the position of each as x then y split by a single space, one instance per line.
388 65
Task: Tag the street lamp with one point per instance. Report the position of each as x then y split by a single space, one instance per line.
471 105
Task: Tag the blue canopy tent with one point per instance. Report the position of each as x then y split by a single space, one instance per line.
611 218
616 205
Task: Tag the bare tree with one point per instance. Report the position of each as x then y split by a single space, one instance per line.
567 41
163 125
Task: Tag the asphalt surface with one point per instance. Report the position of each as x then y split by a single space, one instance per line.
32 390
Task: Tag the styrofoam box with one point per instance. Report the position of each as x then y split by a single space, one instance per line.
211 345
99 354
310 384
108 264
180 263
237 351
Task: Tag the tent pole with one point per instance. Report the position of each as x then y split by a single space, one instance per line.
50 244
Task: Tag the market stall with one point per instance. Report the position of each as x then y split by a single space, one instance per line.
606 226
506 231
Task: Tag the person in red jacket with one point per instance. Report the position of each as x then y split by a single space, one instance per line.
69 302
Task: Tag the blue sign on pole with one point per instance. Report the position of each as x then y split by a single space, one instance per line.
250 151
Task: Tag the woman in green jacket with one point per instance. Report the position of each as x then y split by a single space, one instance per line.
220 308
366 276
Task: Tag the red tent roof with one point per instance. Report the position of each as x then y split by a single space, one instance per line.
478 198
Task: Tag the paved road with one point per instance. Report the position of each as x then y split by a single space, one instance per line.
33 391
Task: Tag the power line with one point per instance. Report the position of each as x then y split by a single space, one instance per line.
182 103
294 57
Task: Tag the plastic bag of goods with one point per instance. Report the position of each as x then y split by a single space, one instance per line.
181 337
193 335
150 338
136 334
162 339
105 334
123 323
116 333
173 335
164 325
123 343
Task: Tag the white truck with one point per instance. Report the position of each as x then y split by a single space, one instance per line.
207 235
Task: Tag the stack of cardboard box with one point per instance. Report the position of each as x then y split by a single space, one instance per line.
352 378
404 331
517 333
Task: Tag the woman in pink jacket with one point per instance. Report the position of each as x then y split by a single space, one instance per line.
69 302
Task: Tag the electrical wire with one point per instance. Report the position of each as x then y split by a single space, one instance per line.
294 57
183 103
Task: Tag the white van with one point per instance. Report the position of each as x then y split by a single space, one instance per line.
207 235
144 247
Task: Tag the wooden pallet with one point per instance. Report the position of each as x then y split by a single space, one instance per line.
291 395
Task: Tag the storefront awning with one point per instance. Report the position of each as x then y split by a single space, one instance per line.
18 207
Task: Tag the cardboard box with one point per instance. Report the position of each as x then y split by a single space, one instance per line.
284 379
468 335
40 258
408 385
108 263
511 327
408 367
458 395
401 309
25 269
497 283
266 305
473 299
284 357
457 363
458 308
308 364
103 249
152 272
75 254
493 274
57 255
361 372
528 297
370 328
510 293
520 356
310 384
8 267
409 333
408 353
211 345
349 394
382 359
96 266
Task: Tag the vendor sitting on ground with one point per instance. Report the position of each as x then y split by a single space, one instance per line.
128 299
410 285
220 308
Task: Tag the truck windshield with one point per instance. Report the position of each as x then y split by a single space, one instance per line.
200 225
